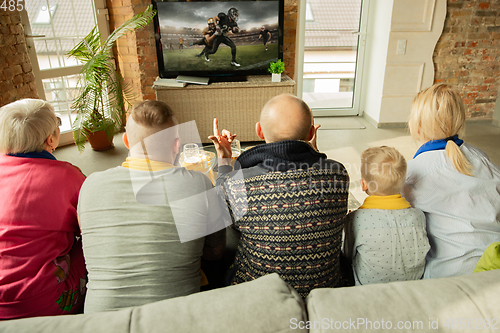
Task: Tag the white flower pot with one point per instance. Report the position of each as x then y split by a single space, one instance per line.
276 77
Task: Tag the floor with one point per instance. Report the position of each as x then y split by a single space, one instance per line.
344 146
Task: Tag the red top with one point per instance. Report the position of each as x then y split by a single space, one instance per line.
38 223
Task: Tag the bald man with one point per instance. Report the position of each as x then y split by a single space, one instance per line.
133 219
287 200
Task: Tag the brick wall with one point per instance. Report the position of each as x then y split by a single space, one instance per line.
16 76
467 54
289 36
136 54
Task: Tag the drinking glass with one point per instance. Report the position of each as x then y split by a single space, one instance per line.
235 149
191 153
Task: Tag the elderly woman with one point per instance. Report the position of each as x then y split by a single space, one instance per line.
42 269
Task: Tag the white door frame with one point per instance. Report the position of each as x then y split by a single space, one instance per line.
355 110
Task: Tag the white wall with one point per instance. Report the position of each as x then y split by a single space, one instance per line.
392 80
496 112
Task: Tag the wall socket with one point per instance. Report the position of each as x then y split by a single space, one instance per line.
401 46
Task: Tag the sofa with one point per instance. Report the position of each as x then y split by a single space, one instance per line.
268 304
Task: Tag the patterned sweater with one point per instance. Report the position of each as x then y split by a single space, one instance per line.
288 201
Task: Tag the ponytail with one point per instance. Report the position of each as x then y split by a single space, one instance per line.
437 113
458 158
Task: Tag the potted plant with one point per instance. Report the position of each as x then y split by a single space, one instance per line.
102 97
276 68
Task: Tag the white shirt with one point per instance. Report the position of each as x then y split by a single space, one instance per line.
462 212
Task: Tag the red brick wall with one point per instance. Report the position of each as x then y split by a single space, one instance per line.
467 54
289 36
136 54
16 76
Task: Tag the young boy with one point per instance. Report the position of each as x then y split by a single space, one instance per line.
385 238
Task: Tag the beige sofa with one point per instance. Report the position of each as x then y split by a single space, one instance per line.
269 305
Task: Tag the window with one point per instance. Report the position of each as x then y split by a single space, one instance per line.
309 13
44 14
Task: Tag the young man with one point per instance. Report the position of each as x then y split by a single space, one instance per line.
225 24
287 200
143 222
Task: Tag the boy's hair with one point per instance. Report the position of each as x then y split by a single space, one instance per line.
153 114
384 169
438 113
25 125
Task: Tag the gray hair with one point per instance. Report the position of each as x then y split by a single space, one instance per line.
25 125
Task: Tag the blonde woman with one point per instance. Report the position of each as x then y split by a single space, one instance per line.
454 183
42 270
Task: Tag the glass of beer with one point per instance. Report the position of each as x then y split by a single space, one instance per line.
191 153
235 151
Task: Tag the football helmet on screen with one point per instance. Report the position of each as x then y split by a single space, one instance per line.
210 21
233 13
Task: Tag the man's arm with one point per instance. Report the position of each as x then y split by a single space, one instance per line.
217 26
222 142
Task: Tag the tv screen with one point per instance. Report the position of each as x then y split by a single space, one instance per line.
218 38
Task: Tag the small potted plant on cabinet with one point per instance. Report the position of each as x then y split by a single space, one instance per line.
102 97
276 68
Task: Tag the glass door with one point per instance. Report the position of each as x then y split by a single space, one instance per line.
333 43
53 27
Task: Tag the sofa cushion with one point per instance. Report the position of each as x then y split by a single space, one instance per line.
112 322
265 305
435 305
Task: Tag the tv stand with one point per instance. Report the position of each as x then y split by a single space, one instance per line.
236 105
229 78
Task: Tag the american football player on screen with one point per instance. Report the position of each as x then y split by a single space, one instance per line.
265 35
223 25
207 40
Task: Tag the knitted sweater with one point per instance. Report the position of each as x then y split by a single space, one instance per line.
288 201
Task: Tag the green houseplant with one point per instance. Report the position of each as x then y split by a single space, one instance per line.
102 97
276 68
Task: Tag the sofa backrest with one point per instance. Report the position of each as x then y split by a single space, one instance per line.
264 305
458 304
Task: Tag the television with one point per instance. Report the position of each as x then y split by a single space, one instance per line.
221 40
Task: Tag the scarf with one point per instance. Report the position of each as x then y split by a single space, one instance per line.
34 154
437 144
385 202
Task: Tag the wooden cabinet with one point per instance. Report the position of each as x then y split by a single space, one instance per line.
236 105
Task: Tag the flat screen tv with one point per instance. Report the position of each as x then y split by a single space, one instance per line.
218 39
